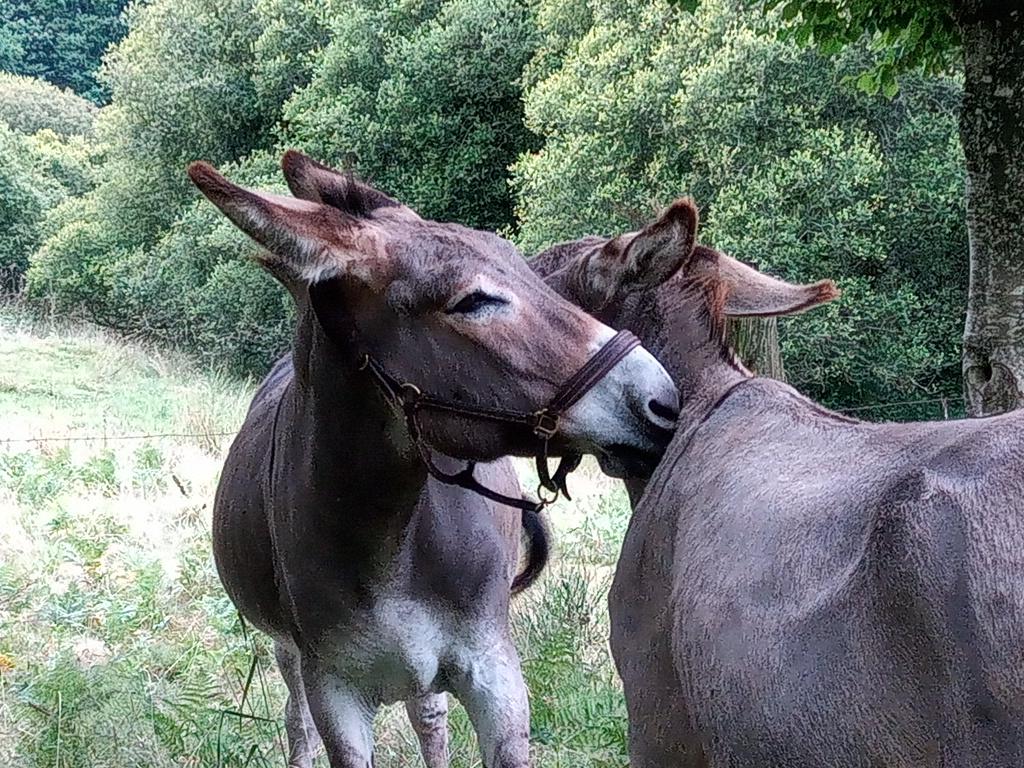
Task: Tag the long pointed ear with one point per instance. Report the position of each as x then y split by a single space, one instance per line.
640 261
309 180
754 294
305 242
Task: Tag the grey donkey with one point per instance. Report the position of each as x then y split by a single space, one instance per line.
798 588
376 583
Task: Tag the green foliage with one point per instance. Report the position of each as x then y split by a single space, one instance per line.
429 110
58 41
24 196
46 157
904 34
423 96
613 110
28 105
184 87
182 84
796 172
36 174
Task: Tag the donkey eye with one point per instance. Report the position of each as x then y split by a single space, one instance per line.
475 302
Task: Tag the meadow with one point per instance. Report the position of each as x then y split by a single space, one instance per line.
118 647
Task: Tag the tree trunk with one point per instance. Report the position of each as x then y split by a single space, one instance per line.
992 134
756 341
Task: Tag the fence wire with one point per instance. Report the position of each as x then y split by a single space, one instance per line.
945 402
101 438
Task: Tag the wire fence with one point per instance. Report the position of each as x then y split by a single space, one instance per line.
948 407
103 438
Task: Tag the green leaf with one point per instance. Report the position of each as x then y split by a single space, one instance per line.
890 87
791 10
868 83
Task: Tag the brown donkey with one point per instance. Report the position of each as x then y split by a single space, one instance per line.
376 582
796 588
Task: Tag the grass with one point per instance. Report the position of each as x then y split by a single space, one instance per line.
118 646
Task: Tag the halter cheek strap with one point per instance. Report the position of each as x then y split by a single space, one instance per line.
411 400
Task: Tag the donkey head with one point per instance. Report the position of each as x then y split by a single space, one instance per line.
455 311
670 292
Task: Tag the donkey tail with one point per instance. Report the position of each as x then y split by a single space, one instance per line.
538 549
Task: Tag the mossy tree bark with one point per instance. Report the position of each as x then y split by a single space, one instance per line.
992 135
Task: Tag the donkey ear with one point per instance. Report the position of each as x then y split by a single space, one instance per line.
640 261
754 294
309 180
305 242
660 249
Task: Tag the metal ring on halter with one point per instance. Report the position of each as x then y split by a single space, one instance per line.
417 393
545 500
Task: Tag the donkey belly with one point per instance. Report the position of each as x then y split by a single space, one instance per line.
242 545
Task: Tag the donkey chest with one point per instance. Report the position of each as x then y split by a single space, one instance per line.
394 648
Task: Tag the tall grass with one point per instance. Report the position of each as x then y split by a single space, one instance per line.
118 646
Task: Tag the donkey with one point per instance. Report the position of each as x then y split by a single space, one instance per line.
376 583
798 588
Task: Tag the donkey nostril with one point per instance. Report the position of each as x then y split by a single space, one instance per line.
662 411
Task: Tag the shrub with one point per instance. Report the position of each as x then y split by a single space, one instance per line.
430 110
25 195
28 105
795 171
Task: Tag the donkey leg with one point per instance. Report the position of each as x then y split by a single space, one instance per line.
303 739
429 717
492 690
343 717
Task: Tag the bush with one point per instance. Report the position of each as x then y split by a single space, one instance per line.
22 201
429 109
199 286
795 171
71 270
28 105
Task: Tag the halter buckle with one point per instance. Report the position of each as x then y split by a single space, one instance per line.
545 424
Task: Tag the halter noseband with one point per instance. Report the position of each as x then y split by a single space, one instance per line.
410 400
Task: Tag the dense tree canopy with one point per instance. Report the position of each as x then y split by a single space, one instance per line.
925 35
28 105
546 120
37 174
794 169
59 41
431 110
422 98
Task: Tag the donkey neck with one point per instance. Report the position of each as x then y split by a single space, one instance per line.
704 369
346 448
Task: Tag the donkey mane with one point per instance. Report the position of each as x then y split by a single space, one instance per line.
707 294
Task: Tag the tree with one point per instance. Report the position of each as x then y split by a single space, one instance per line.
28 104
425 97
60 41
425 100
795 171
989 36
37 173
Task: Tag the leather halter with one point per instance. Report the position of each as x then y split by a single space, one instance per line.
411 400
